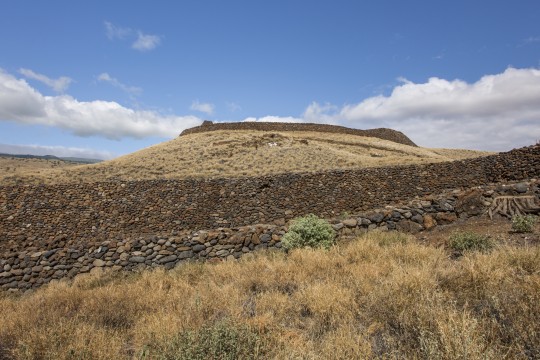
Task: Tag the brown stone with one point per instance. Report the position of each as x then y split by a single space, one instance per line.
446 218
470 203
429 222
255 239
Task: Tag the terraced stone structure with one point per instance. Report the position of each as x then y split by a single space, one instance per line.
54 231
381 133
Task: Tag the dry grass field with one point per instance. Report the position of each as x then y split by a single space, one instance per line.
381 296
245 153
14 166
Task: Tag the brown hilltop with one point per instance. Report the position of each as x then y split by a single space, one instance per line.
381 133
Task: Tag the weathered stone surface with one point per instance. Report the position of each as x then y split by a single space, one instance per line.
265 238
376 217
198 248
98 263
137 259
429 222
445 218
350 222
470 203
337 226
167 259
521 188
418 219
185 254
409 226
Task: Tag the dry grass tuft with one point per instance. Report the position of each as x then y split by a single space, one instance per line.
382 296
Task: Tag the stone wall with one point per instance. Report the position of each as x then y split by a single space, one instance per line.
36 265
63 215
381 133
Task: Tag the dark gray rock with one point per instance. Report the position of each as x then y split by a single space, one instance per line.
376 217
167 259
137 259
418 219
198 248
185 254
521 188
337 226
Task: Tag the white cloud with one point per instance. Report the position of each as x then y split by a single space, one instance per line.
133 90
116 32
285 119
21 103
529 40
206 108
59 85
498 112
141 42
60 151
146 42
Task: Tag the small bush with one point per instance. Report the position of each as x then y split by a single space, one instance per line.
523 224
469 241
222 340
309 231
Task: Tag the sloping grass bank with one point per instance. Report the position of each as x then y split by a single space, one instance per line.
382 296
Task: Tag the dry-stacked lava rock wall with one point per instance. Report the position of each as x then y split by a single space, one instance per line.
381 133
39 263
94 212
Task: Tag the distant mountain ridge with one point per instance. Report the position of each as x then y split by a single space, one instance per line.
52 157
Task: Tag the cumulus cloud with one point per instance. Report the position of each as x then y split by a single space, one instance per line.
22 103
59 85
141 42
132 90
146 42
206 108
60 151
498 112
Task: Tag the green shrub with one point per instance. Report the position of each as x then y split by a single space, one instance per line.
523 224
469 241
222 340
309 231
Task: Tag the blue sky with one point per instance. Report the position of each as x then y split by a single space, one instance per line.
102 79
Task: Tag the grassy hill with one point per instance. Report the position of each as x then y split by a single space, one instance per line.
234 153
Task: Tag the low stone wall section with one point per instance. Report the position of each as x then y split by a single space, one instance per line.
37 265
381 133
53 216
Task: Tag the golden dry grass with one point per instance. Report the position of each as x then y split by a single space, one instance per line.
13 166
245 153
382 296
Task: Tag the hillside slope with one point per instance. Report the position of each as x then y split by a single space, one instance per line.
239 153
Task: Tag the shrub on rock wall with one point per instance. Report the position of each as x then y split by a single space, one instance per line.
309 231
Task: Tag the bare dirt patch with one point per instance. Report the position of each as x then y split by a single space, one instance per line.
499 230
